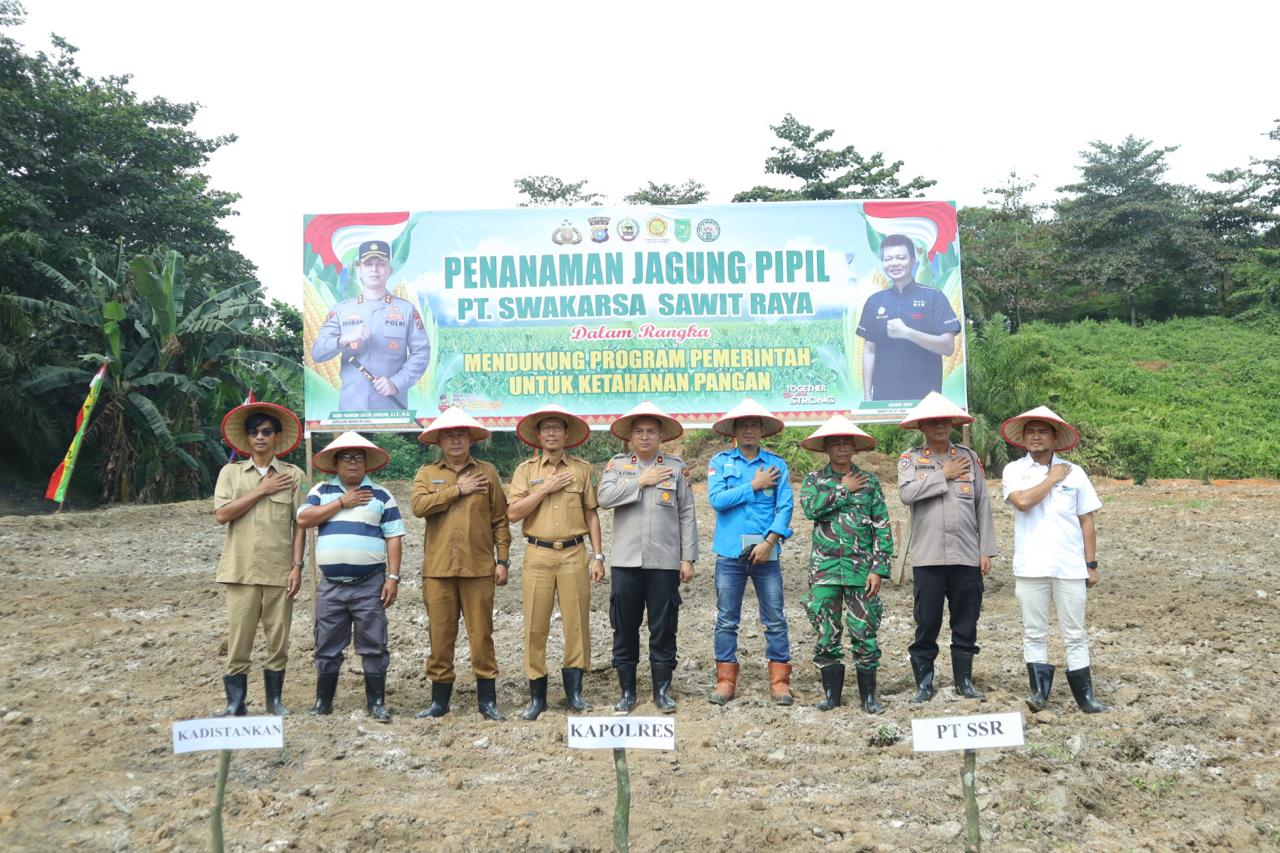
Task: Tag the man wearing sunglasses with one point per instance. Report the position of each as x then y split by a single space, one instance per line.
358 547
261 567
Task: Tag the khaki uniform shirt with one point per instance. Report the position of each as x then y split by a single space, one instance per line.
653 527
560 515
951 523
259 548
463 531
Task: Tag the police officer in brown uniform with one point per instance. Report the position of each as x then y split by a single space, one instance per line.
465 555
554 496
953 539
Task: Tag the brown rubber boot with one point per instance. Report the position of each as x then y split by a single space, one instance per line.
780 683
726 683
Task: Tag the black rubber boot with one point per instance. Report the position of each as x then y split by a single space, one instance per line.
235 686
662 688
273 684
923 671
537 699
326 685
573 700
1040 676
441 691
375 696
627 683
1081 681
867 692
487 699
832 686
962 671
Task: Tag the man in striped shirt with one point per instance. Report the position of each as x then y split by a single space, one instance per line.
358 548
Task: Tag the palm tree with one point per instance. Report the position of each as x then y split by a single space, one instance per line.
181 349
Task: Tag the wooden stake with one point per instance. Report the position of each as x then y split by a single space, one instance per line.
964 435
215 816
622 810
972 831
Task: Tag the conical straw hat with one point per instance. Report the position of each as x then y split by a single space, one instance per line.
375 457
669 427
1066 436
838 425
452 418
935 407
234 433
578 429
749 408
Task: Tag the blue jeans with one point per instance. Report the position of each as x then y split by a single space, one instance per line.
731 583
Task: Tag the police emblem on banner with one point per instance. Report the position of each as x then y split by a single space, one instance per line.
684 230
566 234
628 229
708 230
599 228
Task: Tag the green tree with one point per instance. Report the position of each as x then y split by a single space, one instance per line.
85 164
549 191
1007 248
690 192
182 349
1008 373
1135 244
828 173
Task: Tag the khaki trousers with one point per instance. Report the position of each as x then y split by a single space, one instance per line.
547 573
247 605
472 599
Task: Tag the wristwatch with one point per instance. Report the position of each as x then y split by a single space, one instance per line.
1092 564
393 577
506 564
599 557
297 564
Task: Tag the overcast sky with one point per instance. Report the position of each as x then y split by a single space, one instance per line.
372 106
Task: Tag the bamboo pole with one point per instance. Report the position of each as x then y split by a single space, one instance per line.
622 810
972 831
215 815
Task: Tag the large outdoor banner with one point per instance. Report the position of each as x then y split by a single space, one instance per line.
811 308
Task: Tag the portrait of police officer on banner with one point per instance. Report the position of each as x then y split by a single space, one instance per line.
379 337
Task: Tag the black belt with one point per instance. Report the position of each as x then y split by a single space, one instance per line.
556 546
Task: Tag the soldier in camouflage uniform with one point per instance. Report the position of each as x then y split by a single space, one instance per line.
852 545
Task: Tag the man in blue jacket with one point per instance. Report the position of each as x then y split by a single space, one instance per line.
750 490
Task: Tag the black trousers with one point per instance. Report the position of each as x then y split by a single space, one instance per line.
634 589
961 588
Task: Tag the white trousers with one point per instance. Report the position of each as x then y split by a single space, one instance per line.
1067 597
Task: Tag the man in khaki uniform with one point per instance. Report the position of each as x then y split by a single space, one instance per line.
655 544
261 568
554 495
466 524
953 539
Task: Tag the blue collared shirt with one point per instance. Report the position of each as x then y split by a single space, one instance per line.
353 543
742 511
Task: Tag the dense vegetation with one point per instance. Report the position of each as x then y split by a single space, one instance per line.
1145 310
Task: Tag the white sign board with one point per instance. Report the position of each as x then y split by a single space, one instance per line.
228 733
622 733
977 731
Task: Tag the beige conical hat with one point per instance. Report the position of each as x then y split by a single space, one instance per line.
234 433
749 408
935 407
670 428
375 457
1066 436
838 425
453 418
527 427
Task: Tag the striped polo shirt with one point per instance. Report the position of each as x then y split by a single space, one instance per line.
353 544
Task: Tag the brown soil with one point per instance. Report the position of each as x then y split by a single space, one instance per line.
113 628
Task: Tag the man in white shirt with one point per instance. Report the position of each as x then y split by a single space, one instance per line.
1055 549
